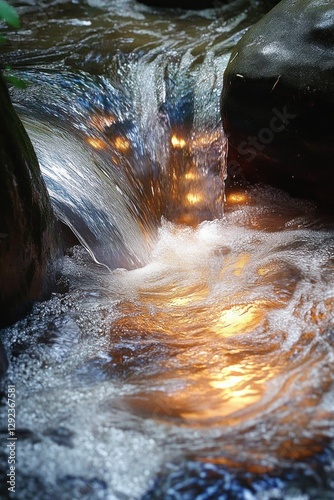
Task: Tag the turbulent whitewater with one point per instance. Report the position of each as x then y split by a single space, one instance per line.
188 349
220 349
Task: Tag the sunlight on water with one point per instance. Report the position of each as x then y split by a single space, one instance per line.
112 171
234 304
205 336
220 349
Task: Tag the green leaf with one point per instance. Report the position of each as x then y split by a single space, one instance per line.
14 80
9 14
17 82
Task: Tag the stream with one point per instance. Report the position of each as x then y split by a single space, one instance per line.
187 352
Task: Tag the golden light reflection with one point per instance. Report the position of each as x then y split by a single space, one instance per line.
235 264
197 295
233 389
180 301
96 143
242 261
237 198
194 198
102 122
122 144
191 176
240 386
175 296
240 318
227 362
228 381
205 139
178 142
263 270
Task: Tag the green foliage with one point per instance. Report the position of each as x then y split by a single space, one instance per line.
9 14
14 80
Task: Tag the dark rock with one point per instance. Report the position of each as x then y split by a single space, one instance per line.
27 227
278 100
24 434
85 488
3 361
61 436
205 480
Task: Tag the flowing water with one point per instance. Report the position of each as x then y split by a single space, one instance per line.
187 353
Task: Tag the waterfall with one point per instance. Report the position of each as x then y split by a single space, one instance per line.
187 350
117 155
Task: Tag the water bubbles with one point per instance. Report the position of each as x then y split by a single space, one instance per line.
218 343
219 347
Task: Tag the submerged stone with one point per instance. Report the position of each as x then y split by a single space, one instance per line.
27 238
209 480
278 100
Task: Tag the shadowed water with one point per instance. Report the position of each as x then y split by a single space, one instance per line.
196 361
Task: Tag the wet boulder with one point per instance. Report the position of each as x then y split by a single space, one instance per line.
27 226
278 101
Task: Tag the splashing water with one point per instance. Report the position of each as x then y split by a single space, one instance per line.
239 309
214 346
122 187
220 349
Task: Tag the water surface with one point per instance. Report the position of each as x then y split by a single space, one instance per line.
183 343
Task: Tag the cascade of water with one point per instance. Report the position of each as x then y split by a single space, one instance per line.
216 342
122 159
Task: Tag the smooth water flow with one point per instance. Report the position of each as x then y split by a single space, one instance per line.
187 350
